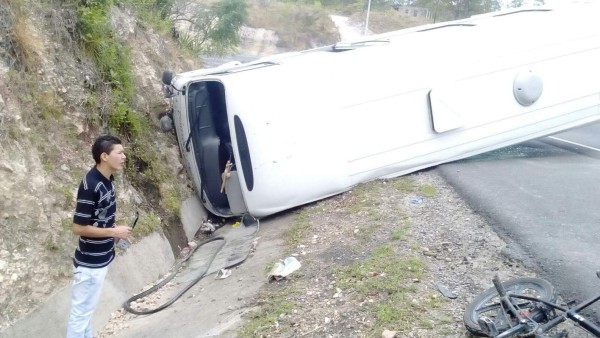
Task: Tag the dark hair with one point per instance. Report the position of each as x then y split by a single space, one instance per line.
104 144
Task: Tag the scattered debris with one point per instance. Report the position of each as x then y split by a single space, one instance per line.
284 268
187 250
254 245
207 228
223 273
417 200
445 291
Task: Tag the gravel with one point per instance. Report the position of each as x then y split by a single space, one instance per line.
420 216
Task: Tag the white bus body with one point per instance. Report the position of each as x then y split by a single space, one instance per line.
303 126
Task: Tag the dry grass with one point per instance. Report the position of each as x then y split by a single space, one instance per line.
49 104
301 26
24 43
297 26
358 271
389 20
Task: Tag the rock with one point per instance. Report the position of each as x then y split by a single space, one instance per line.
166 123
338 293
427 252
388 334
6 167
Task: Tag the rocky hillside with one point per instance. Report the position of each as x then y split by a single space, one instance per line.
53 104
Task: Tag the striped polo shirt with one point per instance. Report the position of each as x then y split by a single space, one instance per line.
96 206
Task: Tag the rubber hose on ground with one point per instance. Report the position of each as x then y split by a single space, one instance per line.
174 270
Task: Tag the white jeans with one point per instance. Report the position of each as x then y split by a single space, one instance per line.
87 285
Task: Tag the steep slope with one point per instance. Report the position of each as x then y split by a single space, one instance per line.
51 108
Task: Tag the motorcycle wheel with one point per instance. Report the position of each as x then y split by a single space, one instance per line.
488 304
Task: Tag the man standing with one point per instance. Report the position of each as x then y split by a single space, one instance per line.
94 223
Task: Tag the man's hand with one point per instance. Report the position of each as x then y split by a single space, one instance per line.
122 232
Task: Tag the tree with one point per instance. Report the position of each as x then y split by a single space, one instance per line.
210 30
231 15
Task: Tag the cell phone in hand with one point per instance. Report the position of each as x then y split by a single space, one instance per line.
124 243
137 215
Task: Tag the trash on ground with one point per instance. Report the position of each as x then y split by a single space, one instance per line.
185 251
188 249
284 268
254 244
223 273
207 228
417 200
445 291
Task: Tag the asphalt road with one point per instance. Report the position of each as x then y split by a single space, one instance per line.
542 196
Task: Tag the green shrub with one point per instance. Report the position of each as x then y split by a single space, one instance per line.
173 201
147 224
113 62
153 12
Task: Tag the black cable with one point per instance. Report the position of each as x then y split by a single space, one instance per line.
174 272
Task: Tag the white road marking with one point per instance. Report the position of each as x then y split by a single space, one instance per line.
574 143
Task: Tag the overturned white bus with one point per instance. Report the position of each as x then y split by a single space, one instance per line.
282 131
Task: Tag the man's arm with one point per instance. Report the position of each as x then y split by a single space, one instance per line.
119 231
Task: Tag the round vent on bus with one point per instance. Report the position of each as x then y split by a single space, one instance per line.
527 88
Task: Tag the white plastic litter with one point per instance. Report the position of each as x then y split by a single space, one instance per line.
223 273
284 268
